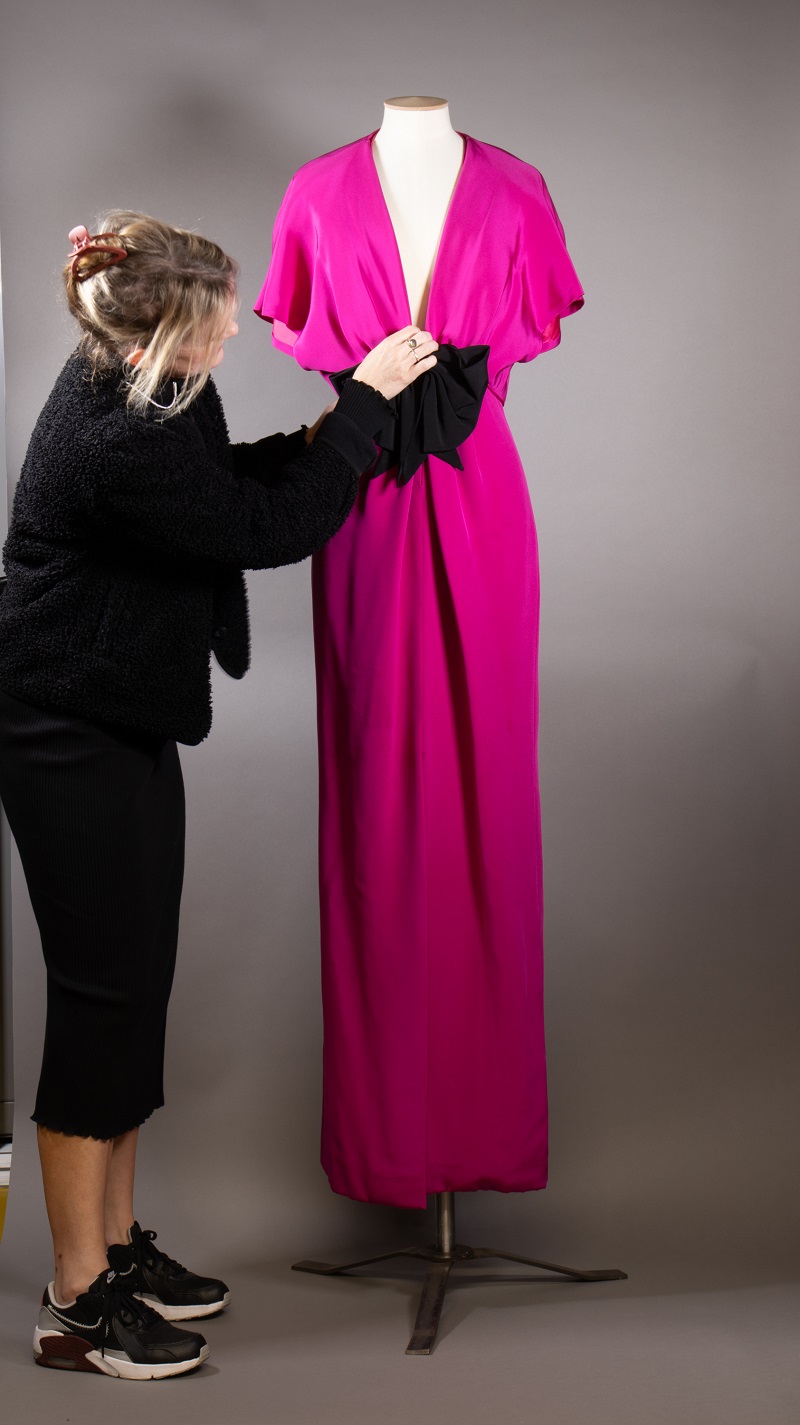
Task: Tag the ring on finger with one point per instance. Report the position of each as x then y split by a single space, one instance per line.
412 341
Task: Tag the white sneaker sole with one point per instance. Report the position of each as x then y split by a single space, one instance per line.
72 1353
183 1313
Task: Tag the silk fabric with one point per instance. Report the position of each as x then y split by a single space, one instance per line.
426 622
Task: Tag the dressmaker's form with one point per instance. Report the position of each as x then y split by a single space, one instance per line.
426 621
418 157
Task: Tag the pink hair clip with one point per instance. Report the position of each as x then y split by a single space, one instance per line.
79 237
109 244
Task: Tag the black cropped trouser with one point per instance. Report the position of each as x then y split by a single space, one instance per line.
98 817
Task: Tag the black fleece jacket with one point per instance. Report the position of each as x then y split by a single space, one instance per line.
128 538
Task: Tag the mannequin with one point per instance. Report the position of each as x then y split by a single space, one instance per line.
498 239
418 156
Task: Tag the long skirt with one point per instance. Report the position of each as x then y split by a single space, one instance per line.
426 621
97 813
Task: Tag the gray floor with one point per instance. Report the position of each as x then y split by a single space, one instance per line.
301 1350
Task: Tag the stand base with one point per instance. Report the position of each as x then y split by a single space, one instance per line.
440 1264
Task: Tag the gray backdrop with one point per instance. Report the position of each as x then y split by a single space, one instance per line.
658 441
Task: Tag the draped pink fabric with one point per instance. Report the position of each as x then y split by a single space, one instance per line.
426 621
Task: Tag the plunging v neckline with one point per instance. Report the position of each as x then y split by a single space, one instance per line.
442 235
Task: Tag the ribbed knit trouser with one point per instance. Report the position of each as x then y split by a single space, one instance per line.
98 817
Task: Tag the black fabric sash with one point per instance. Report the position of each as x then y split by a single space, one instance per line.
434 414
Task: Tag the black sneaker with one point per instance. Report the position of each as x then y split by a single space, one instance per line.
107 1331
166 1286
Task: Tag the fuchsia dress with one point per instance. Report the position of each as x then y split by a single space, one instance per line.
426 617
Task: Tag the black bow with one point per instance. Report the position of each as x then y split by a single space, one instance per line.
434 414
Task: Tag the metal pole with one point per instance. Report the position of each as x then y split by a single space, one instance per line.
445 1223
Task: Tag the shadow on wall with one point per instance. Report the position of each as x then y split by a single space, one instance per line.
230 158
671 939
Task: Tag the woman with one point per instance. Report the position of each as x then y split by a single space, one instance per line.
132 521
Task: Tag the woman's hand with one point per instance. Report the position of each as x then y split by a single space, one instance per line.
393 364
312 430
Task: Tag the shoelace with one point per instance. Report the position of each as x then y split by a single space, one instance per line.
155 1254
118 1302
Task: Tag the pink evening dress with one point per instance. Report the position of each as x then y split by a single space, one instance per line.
426 623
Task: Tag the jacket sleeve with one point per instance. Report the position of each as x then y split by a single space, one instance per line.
360 412
264 460
159 491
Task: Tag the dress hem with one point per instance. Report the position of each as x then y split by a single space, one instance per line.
73 1132
418 1200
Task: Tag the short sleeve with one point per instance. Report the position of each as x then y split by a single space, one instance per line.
285 298
551 288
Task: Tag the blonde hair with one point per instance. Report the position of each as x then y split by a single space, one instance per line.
174 289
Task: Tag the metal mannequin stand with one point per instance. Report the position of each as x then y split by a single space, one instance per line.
441 1258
